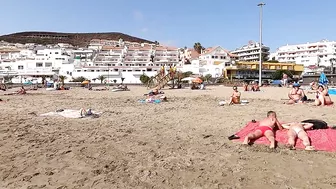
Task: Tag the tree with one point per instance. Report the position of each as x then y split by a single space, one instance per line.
43 79
332 60
101 78
207 77
79 79
156 43
277 75
144 79
122 80
198 47
8 78
62 78
187 74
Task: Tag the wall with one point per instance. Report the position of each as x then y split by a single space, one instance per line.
130 77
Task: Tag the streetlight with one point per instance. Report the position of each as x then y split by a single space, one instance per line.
260 41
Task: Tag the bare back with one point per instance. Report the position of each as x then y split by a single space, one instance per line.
269 122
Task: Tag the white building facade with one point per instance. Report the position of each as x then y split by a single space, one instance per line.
251 52
310 54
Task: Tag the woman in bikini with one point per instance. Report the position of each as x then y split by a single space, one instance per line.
235 97
297 130
322 96
296 95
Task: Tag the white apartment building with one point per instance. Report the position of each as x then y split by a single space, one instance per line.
211 61
129 62
251 52
309 54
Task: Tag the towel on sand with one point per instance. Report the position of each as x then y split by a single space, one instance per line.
68 113
321 139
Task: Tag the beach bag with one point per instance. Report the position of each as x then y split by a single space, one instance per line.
317 124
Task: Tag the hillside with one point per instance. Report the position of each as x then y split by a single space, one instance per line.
76 39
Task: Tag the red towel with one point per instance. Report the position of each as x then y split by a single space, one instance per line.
321 139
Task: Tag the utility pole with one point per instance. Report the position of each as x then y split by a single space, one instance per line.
260 41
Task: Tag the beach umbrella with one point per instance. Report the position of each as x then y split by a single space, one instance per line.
323 79
85 82
198 80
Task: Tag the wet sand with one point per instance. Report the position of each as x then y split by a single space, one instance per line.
177 144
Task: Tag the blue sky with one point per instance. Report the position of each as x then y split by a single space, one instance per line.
229 23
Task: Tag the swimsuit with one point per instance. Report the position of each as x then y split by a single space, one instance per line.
297 130
263 129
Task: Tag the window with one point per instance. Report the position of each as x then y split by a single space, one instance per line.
39 64
55 53
20 67
48 64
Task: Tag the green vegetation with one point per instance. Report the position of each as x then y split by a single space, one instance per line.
101 78
144 79
277 75
79 79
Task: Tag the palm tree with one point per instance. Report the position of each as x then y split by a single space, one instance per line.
101 78
332 60
198 47
122 80
208 77
62 78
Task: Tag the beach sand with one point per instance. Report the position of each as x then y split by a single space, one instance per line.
177 144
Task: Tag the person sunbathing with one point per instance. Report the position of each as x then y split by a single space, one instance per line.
245 86
313 85
296 95
297 130
322 96
235 97
266 128
22 91
255 87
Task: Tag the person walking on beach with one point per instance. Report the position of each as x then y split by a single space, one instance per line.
297 130
266 128
285 79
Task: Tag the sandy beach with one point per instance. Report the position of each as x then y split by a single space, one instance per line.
181 143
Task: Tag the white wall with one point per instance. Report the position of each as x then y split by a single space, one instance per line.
130 77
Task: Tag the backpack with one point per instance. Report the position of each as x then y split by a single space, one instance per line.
317 124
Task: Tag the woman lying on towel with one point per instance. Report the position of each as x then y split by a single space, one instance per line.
22 91
322 96
297 130
154 92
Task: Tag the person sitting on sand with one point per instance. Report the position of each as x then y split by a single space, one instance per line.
313 85
297 130
235 97
255 87
245 86
322 96
22 91
296 95
266 128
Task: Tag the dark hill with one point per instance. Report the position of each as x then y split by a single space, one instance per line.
76 39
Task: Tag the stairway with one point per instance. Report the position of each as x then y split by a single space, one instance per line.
158 81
